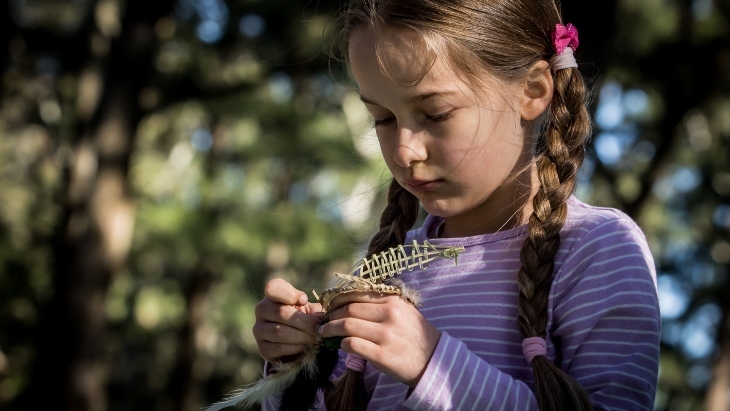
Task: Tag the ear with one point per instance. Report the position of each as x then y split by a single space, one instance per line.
538 91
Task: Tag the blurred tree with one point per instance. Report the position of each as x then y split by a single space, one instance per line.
110 55
206 107
160 161
660 154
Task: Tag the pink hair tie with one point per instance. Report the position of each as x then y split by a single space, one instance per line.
565 42
565 36
355 362
532 347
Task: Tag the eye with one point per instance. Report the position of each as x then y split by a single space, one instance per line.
383 122
438 118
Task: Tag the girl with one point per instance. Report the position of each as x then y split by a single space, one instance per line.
481 116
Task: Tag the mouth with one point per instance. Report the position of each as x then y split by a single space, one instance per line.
419 186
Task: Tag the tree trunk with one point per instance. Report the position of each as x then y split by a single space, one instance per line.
186 378
94 235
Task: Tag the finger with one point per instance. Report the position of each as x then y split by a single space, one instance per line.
314 309
364 311
282 292
273 351
270 311
280 333
359 296
362 347
352 327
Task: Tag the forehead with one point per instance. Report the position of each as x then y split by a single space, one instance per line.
396 55
400 53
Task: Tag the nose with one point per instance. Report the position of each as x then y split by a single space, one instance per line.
409 147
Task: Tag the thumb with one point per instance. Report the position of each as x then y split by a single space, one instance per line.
282 292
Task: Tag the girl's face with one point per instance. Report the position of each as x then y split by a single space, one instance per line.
459 151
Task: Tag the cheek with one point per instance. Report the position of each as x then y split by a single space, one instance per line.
384 139
502 138
461 145
387 147
486 154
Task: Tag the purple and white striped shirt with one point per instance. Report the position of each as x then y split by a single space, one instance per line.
603 326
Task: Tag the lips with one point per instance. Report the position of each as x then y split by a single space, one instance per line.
418 185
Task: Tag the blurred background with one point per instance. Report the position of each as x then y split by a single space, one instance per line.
160 160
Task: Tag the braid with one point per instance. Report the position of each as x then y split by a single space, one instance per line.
559 158
398 217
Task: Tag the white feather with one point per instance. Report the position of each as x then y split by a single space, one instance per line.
281 377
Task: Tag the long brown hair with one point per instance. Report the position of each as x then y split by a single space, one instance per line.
506 38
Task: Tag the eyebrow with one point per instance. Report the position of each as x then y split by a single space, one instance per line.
420 97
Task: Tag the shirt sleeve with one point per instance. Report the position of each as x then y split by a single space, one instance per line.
606 317
458 379
604 329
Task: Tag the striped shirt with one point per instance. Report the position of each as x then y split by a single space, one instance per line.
603 319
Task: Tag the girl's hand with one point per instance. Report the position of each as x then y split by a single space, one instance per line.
385 330
285 322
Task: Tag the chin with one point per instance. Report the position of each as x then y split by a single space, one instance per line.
440 210
449 207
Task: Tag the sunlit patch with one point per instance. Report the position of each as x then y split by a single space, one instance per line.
611 146
609 113
251 25
722 216
698 337
201 140
635 102
698 376
673 296
281 89
686 179
212 16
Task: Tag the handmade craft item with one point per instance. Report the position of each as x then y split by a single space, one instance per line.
300 380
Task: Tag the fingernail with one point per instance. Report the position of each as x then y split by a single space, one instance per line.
320 330
303 299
